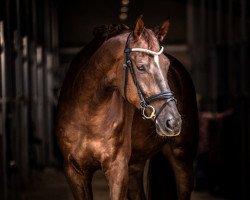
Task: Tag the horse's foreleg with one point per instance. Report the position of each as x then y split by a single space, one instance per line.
80 182
116 173
183 170
135 186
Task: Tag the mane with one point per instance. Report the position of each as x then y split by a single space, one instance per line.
107 31
101 34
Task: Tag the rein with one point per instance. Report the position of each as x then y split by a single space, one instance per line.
145 102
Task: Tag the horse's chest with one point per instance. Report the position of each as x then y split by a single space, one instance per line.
145 144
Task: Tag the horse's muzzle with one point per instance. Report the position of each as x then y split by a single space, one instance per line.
170 126
173 124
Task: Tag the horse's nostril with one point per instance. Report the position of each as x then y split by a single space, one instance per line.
172 124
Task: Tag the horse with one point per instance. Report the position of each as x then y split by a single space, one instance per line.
116 110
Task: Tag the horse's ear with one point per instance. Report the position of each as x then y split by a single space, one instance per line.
161 31
139 26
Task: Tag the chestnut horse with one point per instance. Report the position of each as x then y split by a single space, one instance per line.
115 81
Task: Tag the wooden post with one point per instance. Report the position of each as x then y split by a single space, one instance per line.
218 22
22 145
244 103
232 71
3 164
51 56
212 57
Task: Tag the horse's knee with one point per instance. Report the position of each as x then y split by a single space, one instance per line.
72 164
182 153
179 153
173 152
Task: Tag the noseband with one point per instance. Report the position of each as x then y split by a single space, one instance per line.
145 102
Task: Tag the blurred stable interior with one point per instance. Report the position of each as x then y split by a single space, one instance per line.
38 39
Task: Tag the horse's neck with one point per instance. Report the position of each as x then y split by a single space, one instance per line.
99 96
102 101
110 112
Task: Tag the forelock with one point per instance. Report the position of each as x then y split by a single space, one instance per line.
151 39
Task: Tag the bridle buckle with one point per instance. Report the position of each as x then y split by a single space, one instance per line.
152 114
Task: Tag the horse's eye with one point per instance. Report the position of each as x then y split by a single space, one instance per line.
141 68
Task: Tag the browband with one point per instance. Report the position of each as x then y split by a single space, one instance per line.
145 51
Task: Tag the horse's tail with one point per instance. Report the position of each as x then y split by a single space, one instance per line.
161 182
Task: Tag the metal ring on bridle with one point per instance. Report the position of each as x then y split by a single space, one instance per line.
152 115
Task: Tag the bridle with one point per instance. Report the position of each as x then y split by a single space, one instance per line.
145 102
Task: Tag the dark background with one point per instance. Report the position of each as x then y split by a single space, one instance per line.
38 39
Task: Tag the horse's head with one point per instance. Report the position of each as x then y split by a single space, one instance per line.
147 86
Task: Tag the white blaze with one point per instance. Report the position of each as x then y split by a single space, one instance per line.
159 71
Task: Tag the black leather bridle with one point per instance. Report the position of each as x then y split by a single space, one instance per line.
145 102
